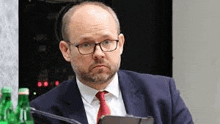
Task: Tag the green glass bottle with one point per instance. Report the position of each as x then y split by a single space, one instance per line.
7 115
0 94
2 105
23 113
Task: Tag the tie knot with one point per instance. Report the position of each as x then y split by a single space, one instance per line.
101 95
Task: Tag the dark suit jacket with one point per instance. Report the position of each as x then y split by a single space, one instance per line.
143 94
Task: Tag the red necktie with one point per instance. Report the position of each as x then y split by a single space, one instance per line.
103 109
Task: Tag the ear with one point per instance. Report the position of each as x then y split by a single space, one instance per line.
65 50
121 42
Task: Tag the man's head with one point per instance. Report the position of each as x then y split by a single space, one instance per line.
86 24
68 15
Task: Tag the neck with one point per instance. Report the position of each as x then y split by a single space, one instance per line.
97 86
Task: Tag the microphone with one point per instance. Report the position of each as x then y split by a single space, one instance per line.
72 121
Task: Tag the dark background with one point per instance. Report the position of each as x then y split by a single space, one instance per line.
146 24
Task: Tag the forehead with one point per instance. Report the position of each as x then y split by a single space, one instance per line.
91 21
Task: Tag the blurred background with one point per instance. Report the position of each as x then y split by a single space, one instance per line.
147 26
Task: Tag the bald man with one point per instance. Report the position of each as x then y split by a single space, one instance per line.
93 44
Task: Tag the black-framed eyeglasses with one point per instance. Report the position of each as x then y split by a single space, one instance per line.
89 47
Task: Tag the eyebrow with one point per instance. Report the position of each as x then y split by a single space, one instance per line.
106 36
85 38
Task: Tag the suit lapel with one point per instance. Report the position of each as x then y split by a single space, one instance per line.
74 107
134 98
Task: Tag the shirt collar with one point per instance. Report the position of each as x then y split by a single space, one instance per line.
89 93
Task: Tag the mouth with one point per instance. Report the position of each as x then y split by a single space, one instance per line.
99 66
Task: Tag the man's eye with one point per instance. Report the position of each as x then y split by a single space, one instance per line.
86 45
106 42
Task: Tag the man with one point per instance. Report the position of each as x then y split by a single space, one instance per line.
93 44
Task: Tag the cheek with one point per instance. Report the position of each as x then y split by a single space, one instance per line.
81 62
115 57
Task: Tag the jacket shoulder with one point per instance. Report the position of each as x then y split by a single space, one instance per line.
152 85
53 96
144 78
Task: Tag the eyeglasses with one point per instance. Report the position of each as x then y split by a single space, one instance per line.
89 47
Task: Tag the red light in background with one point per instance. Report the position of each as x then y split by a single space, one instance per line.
46 84
39 84
57 83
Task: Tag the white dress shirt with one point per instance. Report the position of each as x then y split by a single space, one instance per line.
91 103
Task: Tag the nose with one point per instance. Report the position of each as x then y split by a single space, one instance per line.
98 53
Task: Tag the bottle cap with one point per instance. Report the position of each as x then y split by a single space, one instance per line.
6 90
23 91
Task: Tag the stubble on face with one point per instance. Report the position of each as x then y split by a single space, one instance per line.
99 76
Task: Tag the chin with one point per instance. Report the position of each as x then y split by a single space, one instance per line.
99 77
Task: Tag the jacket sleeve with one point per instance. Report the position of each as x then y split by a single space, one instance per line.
180 113
39 119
